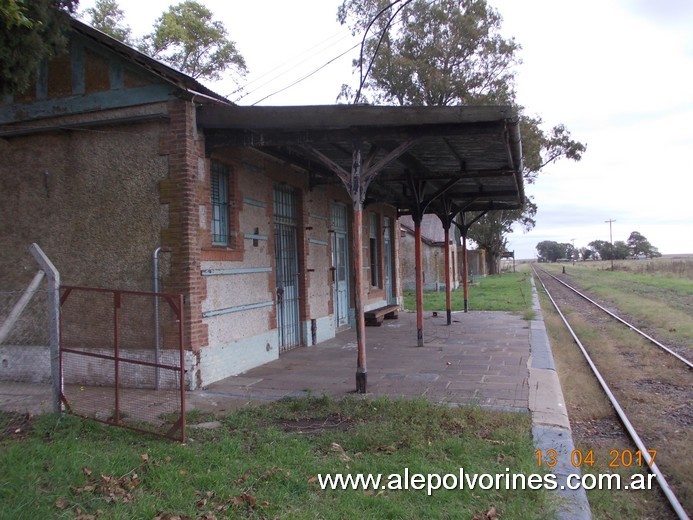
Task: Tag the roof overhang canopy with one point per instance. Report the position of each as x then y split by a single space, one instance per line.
467 158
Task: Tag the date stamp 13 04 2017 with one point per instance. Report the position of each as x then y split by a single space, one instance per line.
579 458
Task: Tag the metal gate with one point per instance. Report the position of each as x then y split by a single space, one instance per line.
286 267
122 358
340 263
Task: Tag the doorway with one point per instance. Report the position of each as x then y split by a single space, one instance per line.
387 249
340 265
286 267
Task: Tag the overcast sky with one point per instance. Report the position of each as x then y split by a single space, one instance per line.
616 73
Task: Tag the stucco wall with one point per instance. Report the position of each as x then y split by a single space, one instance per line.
433 260
89 198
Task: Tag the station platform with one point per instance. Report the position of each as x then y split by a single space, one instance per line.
493 360
480 359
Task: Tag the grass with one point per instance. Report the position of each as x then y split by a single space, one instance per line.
510 292
263 462
657 293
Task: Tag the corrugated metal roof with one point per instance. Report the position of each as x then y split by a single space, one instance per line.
472 155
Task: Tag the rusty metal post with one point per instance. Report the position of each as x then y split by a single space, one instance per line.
357 193
464 271
448 289
419 282
361 371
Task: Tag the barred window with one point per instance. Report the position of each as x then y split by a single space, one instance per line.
220 204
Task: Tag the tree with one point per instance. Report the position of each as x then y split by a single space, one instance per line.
551 251
187 38
586 253
621 250
451 53
491 230
618 251
639 245
32 32
107 17
601 248
441 53
13 14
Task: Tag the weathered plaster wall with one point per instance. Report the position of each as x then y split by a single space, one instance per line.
433 260
89 198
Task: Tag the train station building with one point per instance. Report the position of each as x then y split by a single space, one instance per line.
278 225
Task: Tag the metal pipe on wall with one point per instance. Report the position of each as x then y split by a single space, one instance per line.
157 335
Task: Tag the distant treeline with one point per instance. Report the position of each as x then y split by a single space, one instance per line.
637 246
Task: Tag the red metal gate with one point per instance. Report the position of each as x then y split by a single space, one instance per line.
122 359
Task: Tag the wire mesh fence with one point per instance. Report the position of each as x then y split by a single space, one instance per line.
25 356
122 358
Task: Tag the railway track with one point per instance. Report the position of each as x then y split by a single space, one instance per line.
627 382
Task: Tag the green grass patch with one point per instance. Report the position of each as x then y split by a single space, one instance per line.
510 292
656 298
263 463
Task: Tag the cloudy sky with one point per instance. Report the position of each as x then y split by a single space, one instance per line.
617 74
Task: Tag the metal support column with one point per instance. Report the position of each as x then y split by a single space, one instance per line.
357 192
465 270
419 281
447 216
464 226
356 183
361 370
448 288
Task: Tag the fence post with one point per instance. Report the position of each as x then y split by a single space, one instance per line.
20 305
53 279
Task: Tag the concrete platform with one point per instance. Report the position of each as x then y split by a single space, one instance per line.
481 359
494 360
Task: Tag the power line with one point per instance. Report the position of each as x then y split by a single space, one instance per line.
307 75
303 78
289 65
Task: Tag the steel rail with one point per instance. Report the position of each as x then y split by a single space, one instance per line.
632 327
663 484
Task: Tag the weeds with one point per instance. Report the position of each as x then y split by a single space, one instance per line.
263 462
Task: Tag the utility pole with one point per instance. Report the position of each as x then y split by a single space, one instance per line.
611 240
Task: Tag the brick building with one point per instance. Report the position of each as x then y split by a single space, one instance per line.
114 160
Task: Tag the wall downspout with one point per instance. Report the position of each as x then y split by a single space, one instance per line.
157 334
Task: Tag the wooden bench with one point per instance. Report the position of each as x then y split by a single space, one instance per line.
375 317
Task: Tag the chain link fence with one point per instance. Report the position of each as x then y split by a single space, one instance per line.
109 355
26 364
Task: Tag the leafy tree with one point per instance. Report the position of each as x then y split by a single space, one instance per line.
107 17
442 53
570 252
621 250
601 248
639 245
187 38
491 230
13 14
586 253
551 251
618 251
450 53
32 32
